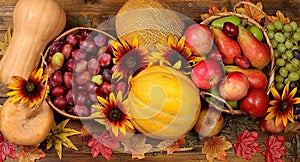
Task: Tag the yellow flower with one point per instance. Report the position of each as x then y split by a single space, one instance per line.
29 91
113 114
176 54
129 58
282 107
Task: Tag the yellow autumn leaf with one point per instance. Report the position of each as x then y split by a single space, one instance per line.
59 136
5 43
253 12
216 148
279 16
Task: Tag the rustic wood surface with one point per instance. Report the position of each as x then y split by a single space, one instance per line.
102 10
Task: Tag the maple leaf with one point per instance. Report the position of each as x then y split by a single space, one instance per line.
216 148
246 144
137 146
274 148
293 148
30 154
7 149
103 144
292 128
253 12
171 146
5 43
211 11
59 136
279 16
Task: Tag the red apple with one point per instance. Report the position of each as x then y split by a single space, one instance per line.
206 74
255 103
269 125
209 123
199 38
234 87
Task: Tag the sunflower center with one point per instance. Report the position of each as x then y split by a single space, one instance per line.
284 106
130 62
115 114
30 87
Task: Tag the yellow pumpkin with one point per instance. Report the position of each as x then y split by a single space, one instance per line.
151 20
163 102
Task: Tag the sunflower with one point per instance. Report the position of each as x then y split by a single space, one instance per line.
129 58
282 107
29 91
113 114
176 54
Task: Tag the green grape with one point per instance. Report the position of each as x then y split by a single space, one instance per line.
287 34
296 36
283 72
284 56
286 80
280 62
279 37
274 43
278 24
270 34
298 29
281 48
279 79
294 25
276 54
289 44
289 54
270 26
287 28
295 62
293 76
288 66
279 86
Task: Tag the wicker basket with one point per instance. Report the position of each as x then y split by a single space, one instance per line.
62 36
269 70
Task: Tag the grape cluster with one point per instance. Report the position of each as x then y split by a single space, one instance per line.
285 41
81 70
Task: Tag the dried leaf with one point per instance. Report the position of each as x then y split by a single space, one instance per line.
293 148
216 148
212 10
279 16
30 154
103 144
246 144
78 21
251 11
274 148
7 149
137 146
59 136
192 138
5 43
292 128
171 146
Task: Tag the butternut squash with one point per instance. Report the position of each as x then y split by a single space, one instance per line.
35 24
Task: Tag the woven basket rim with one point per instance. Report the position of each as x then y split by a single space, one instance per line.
61 36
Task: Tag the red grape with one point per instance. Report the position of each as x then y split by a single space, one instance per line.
104 59
91 87
100 40
88 46
83 78
70 97
93 66
79 54
72 39
66 50
55 47
81 98
68 79
215 55
60 102
81 110
85 33
107 75
93 97
81 66
58 91
120 86
80 37
106 88
242 61
70 65
230 29
56 78
101 50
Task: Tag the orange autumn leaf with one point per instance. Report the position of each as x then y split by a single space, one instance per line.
252 11
30 154
216 148
279 16
171 146
212 10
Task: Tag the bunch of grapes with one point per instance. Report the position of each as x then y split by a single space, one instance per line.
285 41
81 70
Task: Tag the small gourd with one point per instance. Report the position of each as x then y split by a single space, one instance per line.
35 24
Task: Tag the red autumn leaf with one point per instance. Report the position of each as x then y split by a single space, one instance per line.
274 149
7 149
246 144
103 144
216 148
29 154
137 146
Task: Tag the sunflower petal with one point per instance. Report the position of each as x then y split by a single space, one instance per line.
129 124
112 100
292 94
103 101
294 101
12 93
135 42
122 130
270 116
177 65
275 94
181 43
278 120
115 131
285 92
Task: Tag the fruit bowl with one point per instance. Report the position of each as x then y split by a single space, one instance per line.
76 72
216 100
